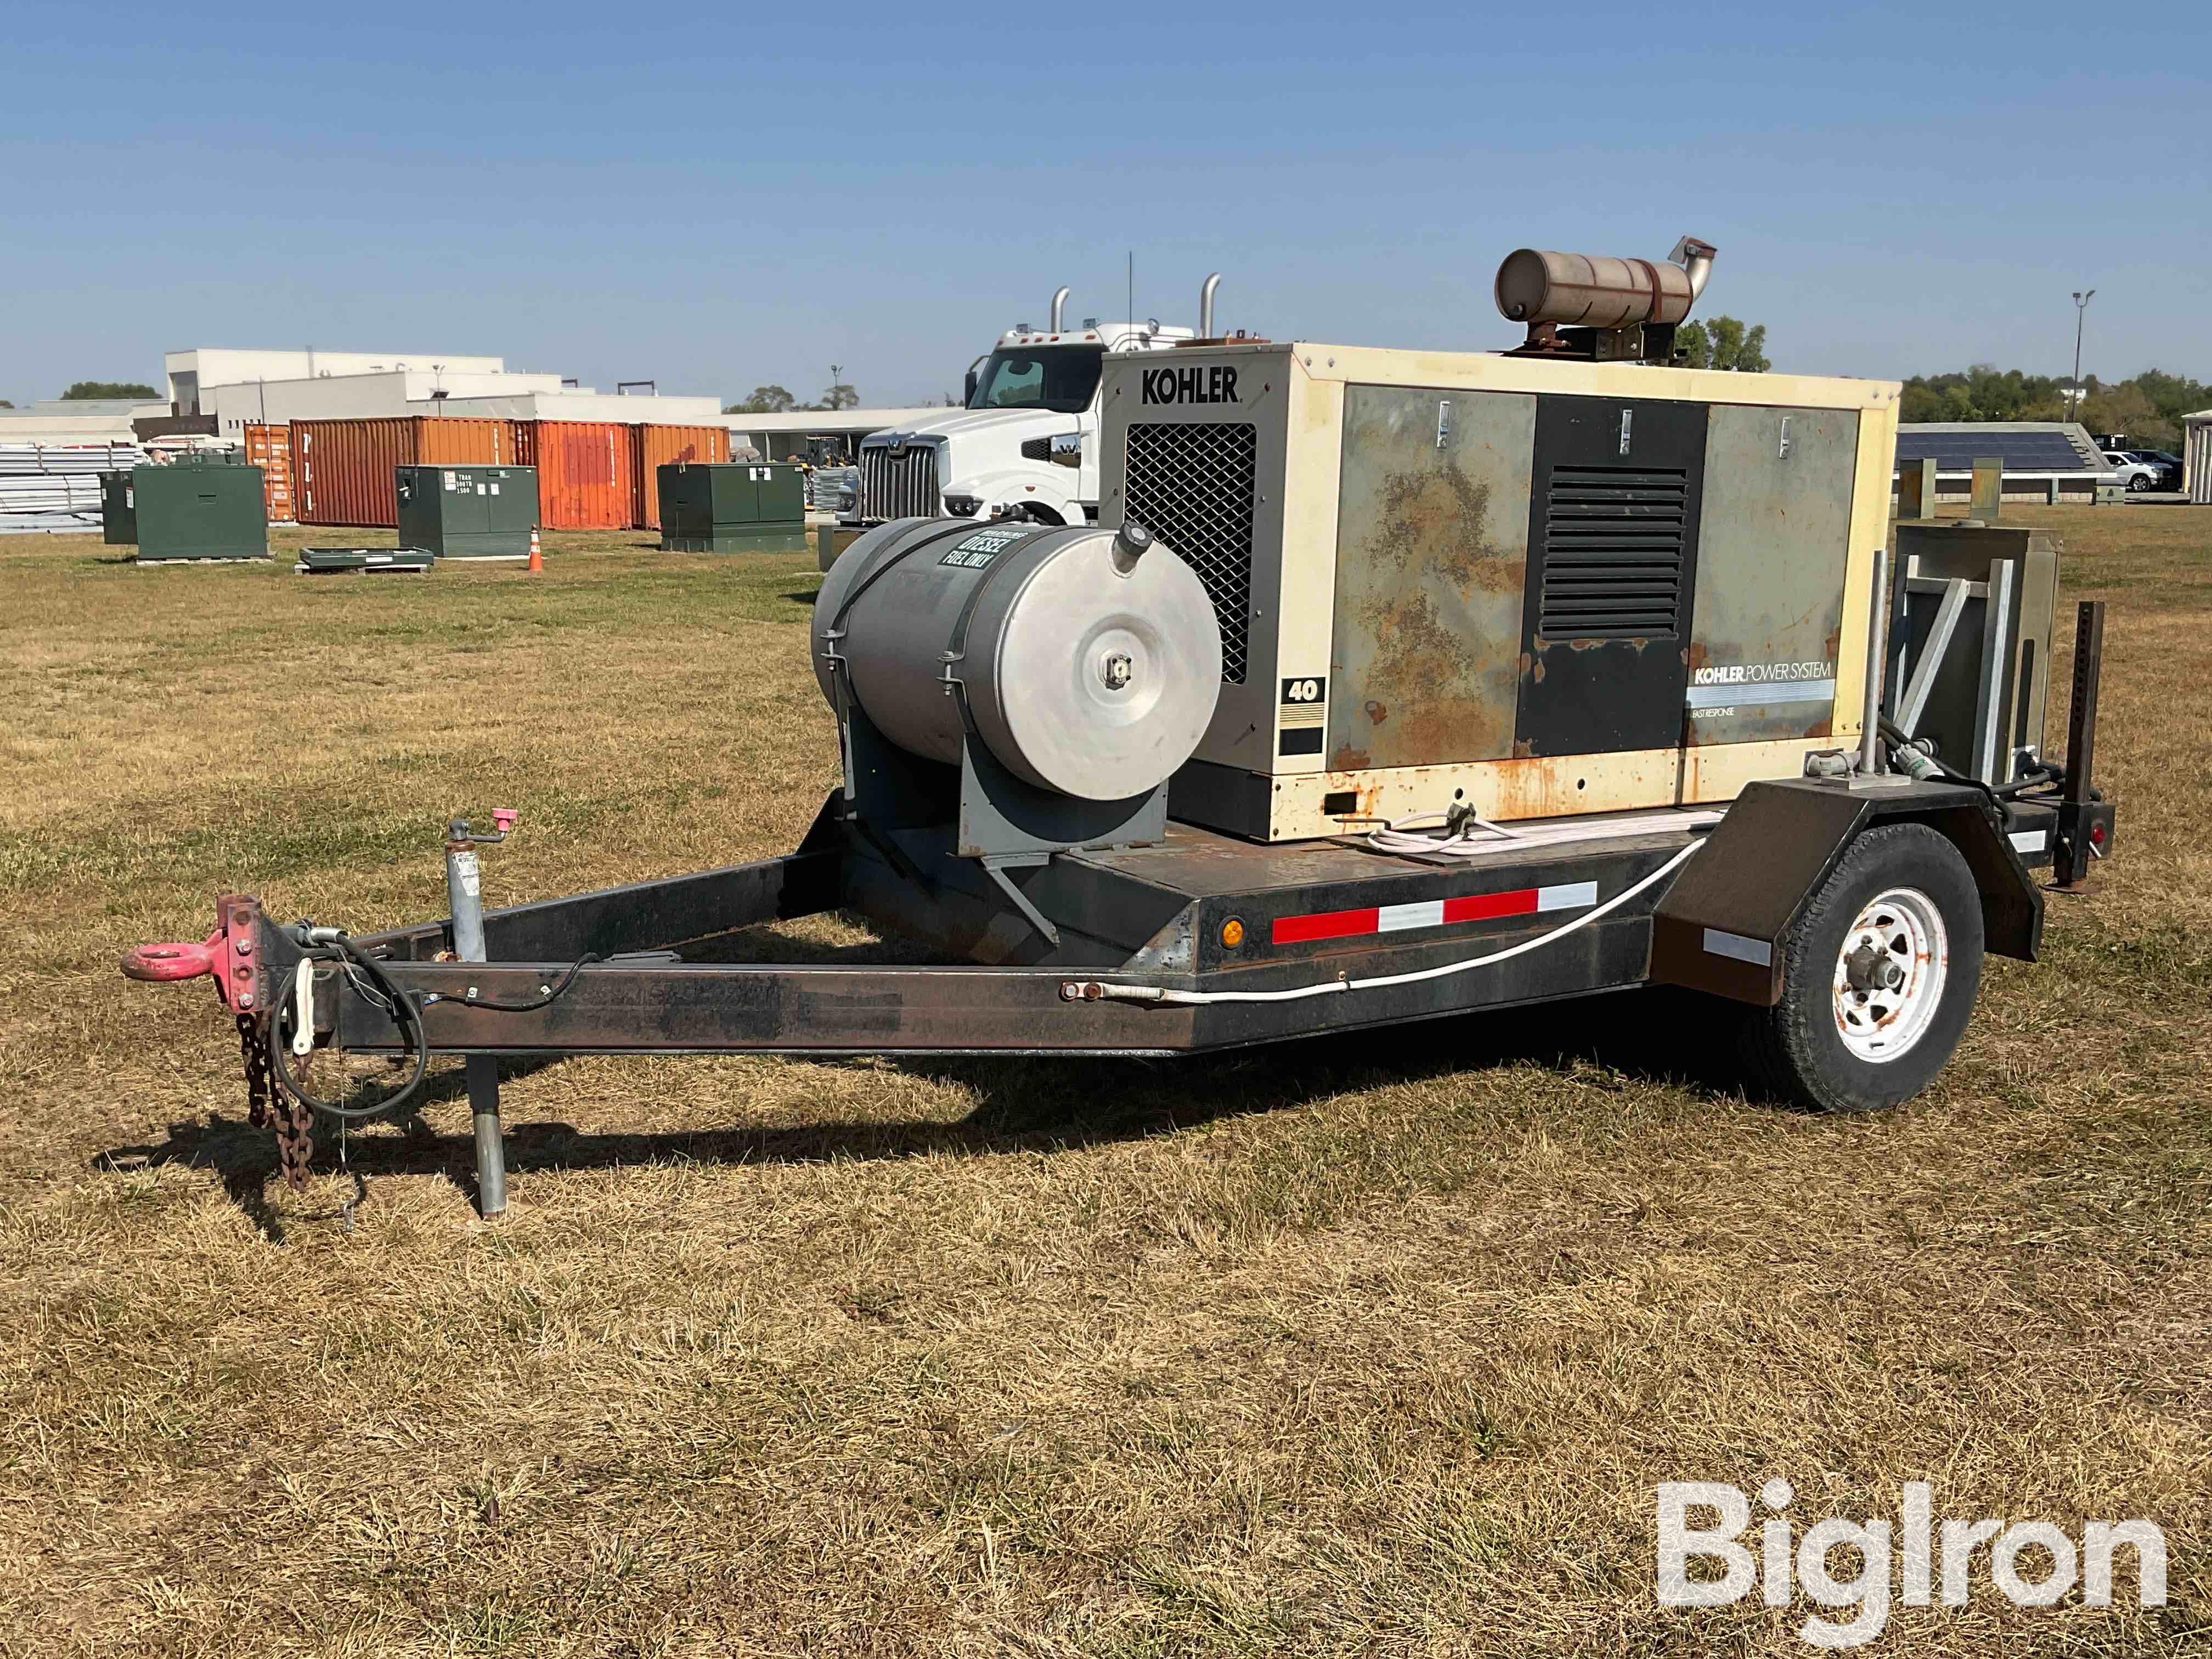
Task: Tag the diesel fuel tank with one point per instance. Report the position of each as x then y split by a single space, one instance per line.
1088 660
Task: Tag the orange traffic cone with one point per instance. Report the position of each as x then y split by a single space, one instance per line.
537 554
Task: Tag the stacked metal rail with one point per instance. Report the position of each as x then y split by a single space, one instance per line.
55 487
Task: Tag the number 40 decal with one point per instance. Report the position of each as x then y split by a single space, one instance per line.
1305 690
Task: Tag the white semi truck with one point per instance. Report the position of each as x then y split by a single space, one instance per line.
1026 445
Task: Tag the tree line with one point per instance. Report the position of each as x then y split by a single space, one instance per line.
775 400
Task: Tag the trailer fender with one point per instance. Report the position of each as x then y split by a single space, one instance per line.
1720 925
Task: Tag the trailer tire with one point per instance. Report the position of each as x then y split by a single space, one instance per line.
1901 901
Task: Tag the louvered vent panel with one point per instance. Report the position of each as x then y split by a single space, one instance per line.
1612 552
1193 486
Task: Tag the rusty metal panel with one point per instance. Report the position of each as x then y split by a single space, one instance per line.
269 448
585 473
1776 531
1432 556
464 440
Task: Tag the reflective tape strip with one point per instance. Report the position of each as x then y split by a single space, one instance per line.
1573 895
1432 912
2029 841
1756 693
1757 952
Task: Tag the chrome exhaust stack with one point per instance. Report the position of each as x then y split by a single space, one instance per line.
1058 306
1205 307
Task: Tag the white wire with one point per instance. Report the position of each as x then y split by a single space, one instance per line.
1158 993
1397 836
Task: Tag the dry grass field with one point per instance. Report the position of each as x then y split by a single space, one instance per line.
1369 1345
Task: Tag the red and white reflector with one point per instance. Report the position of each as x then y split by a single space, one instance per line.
1432 912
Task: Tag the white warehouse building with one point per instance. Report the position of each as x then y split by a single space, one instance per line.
242 388
199 367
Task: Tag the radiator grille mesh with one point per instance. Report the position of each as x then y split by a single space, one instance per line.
1612 552
898 486
1193 486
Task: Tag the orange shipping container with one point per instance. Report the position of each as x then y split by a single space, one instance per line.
342 469
657 447
269 448
586 471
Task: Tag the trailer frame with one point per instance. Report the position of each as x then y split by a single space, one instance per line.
1198 941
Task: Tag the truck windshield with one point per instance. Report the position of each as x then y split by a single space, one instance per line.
1060 378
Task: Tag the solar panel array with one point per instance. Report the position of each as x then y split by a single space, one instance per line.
2022 452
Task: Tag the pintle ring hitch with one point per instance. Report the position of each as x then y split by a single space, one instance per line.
172 961
231 955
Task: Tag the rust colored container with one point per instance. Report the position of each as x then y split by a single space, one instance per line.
269 448
342 469
586 471
655 446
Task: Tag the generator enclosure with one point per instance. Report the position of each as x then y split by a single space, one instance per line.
191 512
1969 650
1534 586
467 512
728 507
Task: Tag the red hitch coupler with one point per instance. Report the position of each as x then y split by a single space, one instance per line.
231 955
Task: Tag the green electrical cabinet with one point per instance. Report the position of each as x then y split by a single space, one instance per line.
194 512
732 506
467 512
118 510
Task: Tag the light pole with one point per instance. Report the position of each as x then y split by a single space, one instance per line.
2080 311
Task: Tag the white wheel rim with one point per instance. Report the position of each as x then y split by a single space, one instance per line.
1903 928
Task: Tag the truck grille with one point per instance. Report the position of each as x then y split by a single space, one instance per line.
1612 552
1193 486
899 486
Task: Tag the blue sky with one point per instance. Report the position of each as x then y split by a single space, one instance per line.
715 198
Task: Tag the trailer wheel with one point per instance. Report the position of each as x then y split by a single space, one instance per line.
1879 978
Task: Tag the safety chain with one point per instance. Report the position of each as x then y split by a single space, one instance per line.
295 1133
253 1051
265 1104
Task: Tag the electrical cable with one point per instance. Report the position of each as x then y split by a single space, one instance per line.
1400 836
545 1001
1891 730
397 1004
1160 993
376 988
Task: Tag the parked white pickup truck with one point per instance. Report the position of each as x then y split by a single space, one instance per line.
1026 446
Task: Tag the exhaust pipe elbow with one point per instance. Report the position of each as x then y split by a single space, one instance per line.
1205 307
1696 258
1058 306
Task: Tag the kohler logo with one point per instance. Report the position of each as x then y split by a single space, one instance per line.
1202 383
